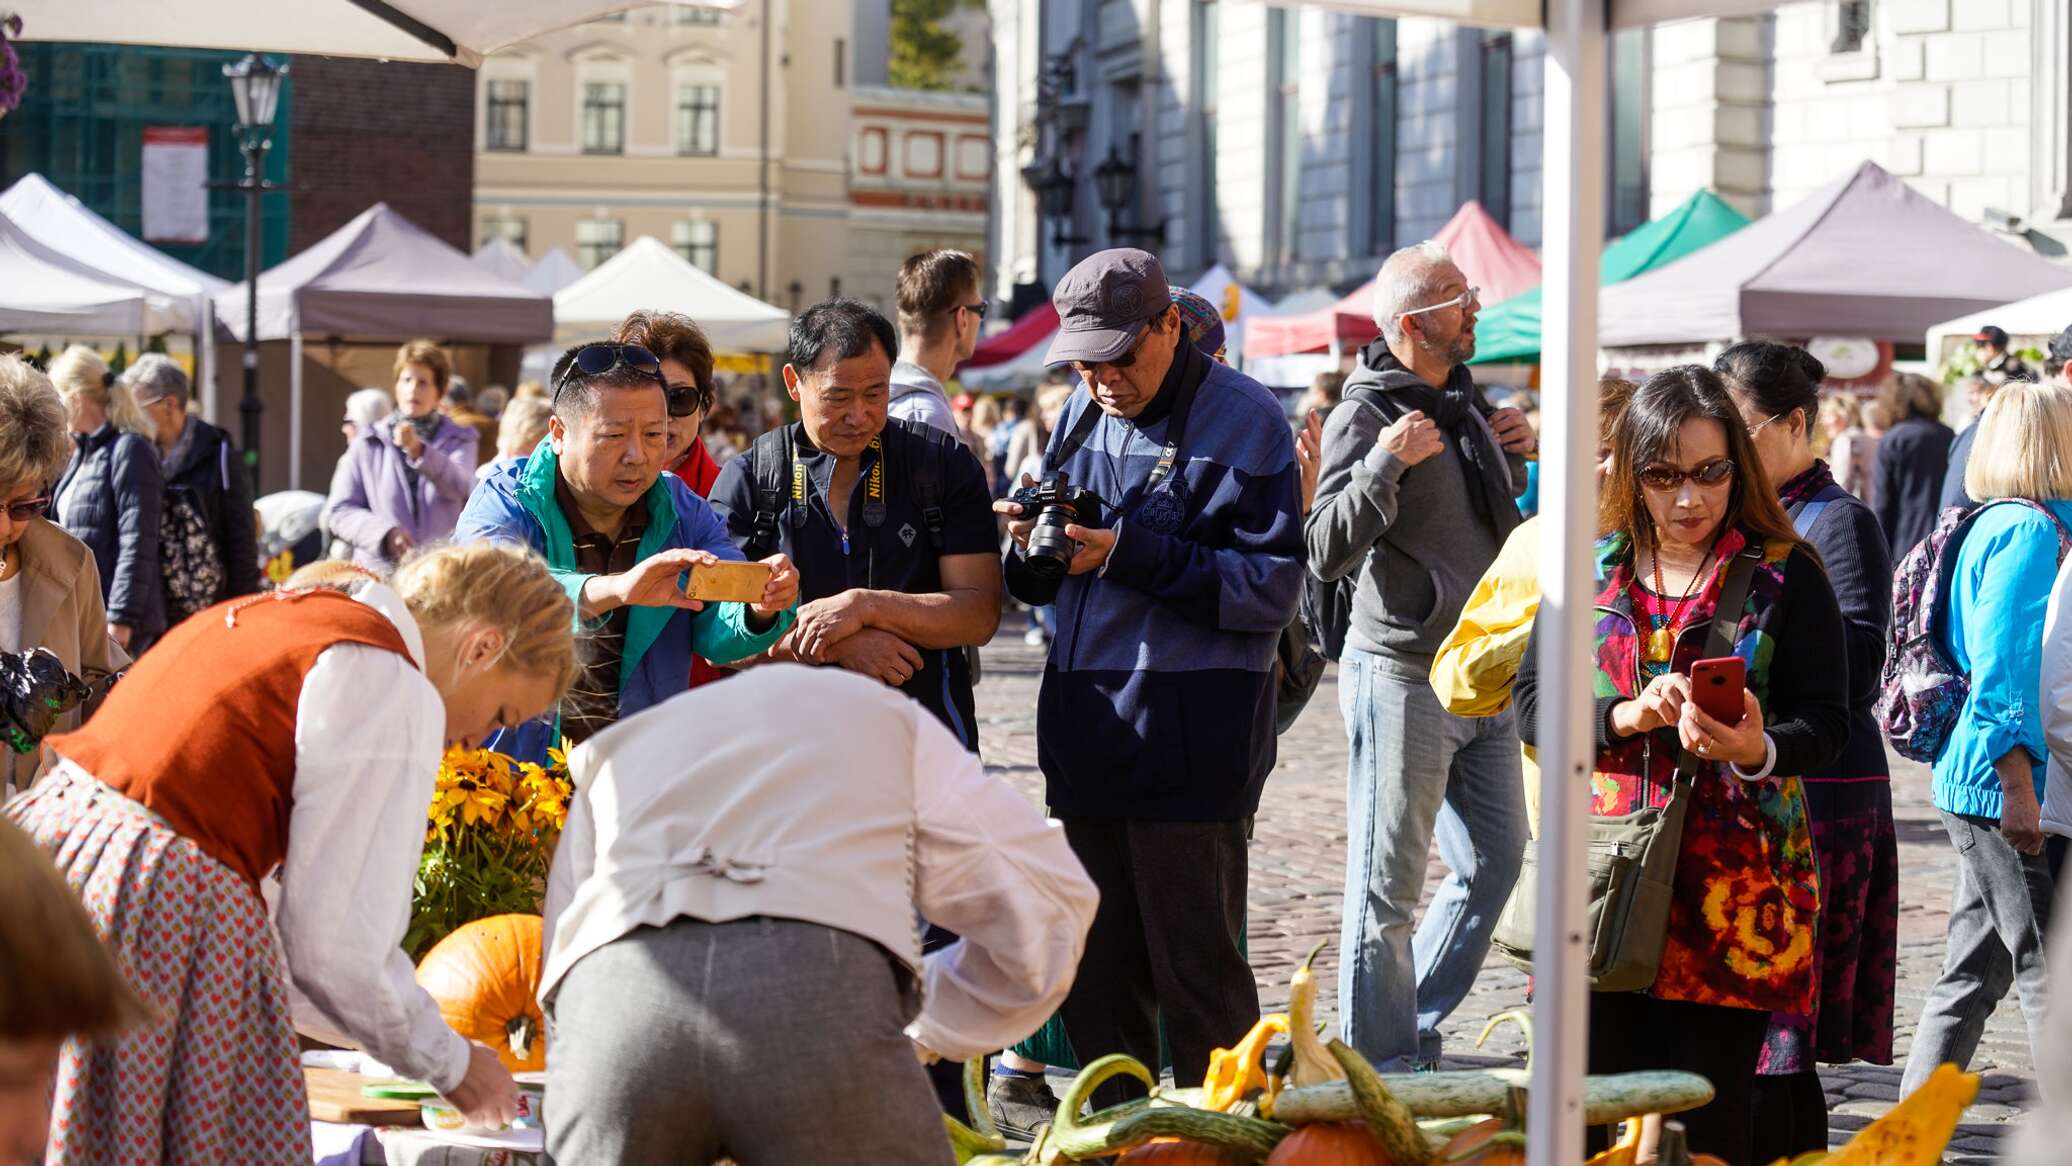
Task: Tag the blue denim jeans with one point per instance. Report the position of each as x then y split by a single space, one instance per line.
1415 770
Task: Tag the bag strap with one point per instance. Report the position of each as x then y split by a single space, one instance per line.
771 461
1806 513
1719 641
927 478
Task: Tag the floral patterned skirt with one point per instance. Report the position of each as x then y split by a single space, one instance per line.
1859 933
216 1078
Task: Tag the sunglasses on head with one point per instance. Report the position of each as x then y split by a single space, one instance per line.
1712 473
594 360
1088 368
25 509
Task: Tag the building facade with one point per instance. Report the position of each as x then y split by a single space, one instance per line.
739 137
1300 145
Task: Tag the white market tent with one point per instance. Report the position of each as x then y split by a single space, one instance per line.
382 277
45 290
502 259
554 271
650 274
62 222
2044 315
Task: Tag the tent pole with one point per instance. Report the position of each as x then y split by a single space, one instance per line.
294 410
1574 217
205 357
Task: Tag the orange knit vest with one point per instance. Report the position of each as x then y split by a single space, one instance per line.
202 730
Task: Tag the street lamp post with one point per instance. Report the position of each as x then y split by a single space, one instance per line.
255 85
1115 184
1054 197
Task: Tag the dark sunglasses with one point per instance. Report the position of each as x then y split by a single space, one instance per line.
594 360
978 309
26 509
1712 473
1089 368
685 401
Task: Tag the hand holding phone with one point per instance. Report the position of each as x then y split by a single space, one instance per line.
727 581
1717 685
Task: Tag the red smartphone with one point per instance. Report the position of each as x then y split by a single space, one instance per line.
1717 685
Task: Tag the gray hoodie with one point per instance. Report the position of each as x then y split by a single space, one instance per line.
1430 546
918 396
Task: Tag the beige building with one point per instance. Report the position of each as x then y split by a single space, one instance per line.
749 149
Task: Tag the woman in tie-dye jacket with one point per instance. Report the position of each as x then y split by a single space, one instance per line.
1686 496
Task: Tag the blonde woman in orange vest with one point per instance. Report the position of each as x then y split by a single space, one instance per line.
298 732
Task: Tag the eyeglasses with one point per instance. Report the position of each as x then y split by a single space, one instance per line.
1712 473
978 309
25 509
685 400
1087 369
1759 426
593 360
1471 296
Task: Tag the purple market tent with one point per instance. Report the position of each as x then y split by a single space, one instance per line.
1866 256
378 280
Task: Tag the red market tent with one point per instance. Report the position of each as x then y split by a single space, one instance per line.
1035 326
1491 259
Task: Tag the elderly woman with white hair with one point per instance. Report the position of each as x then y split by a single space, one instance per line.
50 589
208 550
111 494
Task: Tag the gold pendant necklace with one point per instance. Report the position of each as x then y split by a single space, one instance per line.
1662 641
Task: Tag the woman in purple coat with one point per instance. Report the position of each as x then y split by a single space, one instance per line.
403 483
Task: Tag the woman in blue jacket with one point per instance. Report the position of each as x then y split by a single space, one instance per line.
110 495
1989 775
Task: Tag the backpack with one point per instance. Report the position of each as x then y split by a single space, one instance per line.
1327 604
1922 689
191 571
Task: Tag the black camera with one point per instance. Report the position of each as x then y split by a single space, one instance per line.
35 690
1056 502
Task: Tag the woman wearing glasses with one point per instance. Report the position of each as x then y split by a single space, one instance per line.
1686 499
403 484
50 589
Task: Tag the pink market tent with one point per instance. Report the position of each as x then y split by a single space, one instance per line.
1035 327
1491 259
1867 257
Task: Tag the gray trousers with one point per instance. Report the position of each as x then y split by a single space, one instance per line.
771 1041
1999 916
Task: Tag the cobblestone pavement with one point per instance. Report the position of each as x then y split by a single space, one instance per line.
1298 864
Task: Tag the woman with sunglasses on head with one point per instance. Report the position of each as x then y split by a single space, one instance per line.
402 485
1686 513
1777 388
50 588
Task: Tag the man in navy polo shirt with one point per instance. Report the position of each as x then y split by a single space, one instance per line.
889 522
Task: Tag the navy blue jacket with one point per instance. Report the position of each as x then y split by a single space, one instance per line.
1908 481
110 498
1158 697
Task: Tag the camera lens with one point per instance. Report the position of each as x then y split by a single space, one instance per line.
1050 551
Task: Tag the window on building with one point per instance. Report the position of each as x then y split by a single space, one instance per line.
604 117
1852 26
697 119
511 227
697 14
1380 185
1207 25
1284 46
1627 205
598 240
841 62
509 102
697 240
1496 127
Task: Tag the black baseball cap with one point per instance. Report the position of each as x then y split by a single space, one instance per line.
1991 335
1103 303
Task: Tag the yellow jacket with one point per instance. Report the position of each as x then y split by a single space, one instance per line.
1478 663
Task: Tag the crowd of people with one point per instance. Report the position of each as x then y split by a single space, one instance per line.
512 574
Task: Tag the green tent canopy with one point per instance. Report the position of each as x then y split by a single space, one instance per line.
1510 331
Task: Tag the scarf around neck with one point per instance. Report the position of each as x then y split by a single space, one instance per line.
1453 407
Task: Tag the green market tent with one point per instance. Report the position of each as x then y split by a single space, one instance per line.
1510 331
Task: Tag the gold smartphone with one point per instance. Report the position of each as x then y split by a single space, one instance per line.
728 582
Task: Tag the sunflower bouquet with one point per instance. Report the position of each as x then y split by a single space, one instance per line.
489 838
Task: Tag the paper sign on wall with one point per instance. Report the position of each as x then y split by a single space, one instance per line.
176 193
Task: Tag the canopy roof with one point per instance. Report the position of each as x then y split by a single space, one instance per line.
64 224
398 30
554 271
502 259
1033 330
1510 331
649 274
2040 316
1485 253
382 277
1867 257
45 290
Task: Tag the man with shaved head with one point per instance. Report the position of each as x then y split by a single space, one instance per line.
1416 495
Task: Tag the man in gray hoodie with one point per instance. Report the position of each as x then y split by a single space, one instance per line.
940 310
1416 496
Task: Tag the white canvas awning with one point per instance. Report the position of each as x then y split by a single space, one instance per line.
464 31
649 274
502 259
43 289
554 271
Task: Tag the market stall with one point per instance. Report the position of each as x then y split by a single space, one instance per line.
650 274
43 290
554 271
2032 321
503 259
329 320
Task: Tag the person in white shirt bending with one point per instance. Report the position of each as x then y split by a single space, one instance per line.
732 928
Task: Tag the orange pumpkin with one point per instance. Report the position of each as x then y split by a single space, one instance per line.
1495 1142
1331 1143
486 979
1175 1152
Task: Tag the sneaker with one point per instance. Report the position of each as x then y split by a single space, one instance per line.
1034 637
1021 1105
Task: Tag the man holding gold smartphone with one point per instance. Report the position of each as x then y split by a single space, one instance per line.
626 541
891 521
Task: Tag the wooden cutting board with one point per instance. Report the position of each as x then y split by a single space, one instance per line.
334 1095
